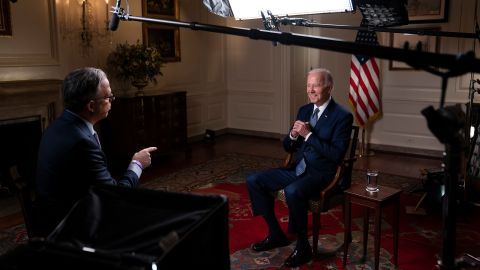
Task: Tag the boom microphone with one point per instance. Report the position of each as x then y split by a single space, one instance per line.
115 19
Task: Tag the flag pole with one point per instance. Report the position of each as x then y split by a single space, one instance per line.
363 146
362 143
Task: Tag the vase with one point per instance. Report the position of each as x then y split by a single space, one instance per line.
140 84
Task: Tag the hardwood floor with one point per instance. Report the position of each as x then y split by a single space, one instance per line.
391 163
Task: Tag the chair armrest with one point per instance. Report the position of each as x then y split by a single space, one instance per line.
288 159
334 183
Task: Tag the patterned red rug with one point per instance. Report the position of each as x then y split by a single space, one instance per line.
419 245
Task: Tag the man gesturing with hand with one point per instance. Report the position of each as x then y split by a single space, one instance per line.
70 157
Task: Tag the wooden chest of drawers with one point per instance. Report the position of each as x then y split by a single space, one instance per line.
138 122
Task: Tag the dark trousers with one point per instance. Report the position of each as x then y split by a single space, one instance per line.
298 190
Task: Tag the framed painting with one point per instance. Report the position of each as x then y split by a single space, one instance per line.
165 9
166 39
427 11
427 43
5 20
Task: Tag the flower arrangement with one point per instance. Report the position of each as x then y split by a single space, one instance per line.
135 62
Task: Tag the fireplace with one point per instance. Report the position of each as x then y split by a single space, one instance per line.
19 141
26 109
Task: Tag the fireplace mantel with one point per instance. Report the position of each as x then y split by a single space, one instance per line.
19 99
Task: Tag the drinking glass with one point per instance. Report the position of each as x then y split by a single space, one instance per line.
372 180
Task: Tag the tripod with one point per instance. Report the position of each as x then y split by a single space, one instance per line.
447 124
472 169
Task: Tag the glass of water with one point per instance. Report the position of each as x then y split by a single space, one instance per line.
372 180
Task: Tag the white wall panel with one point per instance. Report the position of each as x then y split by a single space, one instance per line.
216 112
253 116
194 113
206 111
250 65
32 50
403 125
252 111
258 83
37 21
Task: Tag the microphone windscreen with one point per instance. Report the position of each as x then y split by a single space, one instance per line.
113 25
114 22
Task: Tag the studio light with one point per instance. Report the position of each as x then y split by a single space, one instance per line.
251 9
383 13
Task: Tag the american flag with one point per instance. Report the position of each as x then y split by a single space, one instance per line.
364 94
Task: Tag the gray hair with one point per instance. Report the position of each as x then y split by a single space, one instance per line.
326 73
80 86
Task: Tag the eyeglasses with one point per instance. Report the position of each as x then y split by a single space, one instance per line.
111 98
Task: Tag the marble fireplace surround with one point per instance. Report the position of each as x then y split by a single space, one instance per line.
30 98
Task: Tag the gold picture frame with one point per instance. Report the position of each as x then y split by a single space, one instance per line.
166 39
427 11
5 19
427 43
165 9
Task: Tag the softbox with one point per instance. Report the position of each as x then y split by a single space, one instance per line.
140 226
384 13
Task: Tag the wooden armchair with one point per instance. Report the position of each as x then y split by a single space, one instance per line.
332 195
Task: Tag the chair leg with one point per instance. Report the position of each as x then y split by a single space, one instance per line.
366 220
349 239
316 232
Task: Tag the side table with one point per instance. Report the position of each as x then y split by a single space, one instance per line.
386 196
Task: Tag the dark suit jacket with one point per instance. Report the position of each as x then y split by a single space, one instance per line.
69 162
327 144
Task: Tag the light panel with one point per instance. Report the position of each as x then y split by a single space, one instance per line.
250 9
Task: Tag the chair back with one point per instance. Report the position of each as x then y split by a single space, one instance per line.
332 194
350 158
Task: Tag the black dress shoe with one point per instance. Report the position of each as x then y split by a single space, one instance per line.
270 243
298 257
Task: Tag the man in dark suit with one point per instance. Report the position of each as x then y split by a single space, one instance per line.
70 157
320 135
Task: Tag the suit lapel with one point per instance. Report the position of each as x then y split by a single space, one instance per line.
308 113
82 127
326 115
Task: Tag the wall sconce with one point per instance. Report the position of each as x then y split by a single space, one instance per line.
86 34
84 20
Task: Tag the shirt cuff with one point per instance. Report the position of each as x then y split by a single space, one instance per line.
291 137
136 167
308 135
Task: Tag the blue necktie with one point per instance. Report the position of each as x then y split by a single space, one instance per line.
314 117
300 168
97 139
